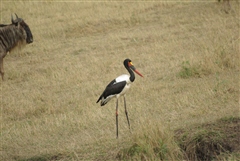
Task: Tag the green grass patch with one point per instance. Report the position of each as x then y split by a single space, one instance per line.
188 70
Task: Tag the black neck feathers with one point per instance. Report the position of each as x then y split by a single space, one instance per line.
126 64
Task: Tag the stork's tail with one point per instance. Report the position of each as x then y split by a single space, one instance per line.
99 99
104 101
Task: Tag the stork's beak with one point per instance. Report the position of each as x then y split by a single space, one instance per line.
134 69
138 72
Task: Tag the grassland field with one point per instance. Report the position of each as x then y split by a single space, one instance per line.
188 52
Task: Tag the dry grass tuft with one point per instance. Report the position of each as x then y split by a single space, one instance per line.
152 141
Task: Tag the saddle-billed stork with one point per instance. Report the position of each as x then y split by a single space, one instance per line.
118 87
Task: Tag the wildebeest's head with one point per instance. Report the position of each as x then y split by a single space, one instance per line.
21 23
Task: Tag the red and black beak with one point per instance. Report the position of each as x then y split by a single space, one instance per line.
134 69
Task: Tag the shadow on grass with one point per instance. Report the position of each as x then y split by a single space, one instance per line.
211 141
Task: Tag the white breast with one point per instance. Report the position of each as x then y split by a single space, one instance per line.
125 89
122 78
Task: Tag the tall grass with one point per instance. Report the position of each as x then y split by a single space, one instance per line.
152 141
48 100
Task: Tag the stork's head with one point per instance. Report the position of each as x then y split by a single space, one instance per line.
128 64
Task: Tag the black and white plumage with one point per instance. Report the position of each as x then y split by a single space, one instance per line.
118 87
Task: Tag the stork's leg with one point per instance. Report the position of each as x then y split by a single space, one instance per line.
125 106
117 117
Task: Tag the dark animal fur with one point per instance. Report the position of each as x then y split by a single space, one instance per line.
13 35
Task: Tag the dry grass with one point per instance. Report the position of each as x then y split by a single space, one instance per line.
188 53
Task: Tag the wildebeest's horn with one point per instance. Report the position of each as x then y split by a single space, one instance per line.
12 19
16 15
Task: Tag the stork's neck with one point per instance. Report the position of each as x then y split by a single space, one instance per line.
132 75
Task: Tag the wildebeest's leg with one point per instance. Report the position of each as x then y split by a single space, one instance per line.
227 6
1 67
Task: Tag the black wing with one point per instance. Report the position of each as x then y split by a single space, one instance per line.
112 89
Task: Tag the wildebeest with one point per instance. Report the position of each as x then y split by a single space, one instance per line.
17 34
